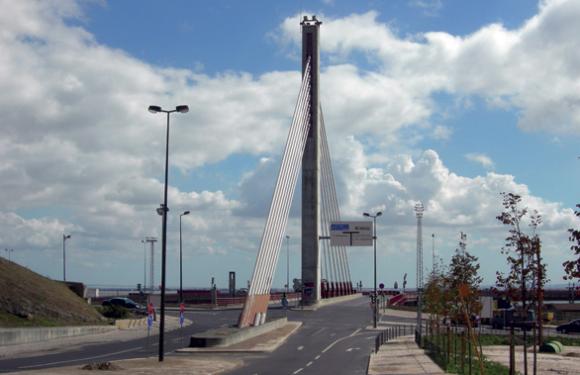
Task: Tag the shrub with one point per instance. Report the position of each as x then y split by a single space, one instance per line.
114 312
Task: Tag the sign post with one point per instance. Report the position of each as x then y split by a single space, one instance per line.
351 233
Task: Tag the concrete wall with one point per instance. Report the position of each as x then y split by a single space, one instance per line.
14 336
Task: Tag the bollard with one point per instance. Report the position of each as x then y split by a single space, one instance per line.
469 349
462 352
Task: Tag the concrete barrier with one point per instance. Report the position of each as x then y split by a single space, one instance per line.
130 323
14 336
327 302
226 336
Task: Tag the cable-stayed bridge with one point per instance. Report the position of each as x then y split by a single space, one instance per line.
325 269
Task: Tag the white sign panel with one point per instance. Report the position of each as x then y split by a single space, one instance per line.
351 233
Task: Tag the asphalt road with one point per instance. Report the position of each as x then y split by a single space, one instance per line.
108 351
335 339
332 340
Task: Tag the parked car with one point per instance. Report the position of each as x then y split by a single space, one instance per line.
572 326
124 302
505 318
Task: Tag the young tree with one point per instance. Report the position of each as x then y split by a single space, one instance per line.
523 253
463 274
436 295
572 267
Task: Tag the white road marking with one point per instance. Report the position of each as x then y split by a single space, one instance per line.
351 349
297 371
317 357
300 348
340 339
82 359
309 364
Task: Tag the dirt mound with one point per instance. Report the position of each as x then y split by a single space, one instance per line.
29 299
103 366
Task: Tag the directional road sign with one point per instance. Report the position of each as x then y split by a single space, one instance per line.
351 233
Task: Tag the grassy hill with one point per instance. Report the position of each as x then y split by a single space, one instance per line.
29 299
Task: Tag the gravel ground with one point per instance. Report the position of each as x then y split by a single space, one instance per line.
567 362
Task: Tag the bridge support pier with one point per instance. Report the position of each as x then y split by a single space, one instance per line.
311 170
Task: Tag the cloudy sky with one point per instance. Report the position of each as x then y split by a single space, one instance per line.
444 101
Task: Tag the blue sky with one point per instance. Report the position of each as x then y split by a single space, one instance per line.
448 102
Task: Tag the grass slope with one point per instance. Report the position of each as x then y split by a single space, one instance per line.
29 299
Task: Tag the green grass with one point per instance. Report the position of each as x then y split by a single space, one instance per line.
452 365
28 299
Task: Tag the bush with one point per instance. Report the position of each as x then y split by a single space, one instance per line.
114 312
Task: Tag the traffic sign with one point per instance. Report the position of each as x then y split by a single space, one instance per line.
381 286
351 233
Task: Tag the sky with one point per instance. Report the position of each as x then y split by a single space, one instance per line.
445 102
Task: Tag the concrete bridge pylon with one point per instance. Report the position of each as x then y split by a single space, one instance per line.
307 153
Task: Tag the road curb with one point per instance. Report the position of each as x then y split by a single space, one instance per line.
263 344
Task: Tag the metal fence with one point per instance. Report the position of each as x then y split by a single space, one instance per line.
392 333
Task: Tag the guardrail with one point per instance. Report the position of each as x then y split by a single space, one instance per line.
392 333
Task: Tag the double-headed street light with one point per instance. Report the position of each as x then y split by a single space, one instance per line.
8 251
64 238
181 260
375 313
163 212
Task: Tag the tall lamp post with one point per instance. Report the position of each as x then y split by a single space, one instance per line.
144 242
8 251
374 217
64 238
287 264
163 212
181 260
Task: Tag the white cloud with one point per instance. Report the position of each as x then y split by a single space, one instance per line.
482 159
441 132
80 153
429 7
533 69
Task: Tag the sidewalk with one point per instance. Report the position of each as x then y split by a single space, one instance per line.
402 356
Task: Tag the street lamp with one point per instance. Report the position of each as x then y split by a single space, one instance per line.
181 260
163 211
64 238
8 251
144 265
287 263
375 313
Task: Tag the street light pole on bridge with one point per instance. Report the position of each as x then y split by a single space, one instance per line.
374 217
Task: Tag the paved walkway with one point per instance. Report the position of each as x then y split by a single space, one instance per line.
402 356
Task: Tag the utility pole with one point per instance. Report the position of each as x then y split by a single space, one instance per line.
419 209
64 238
433 252
144 264
151 241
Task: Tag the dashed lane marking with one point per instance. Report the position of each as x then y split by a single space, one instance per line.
309 364
300 348
297 371
340 339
